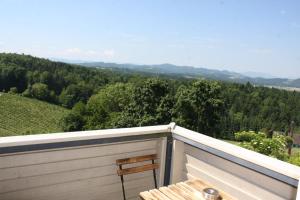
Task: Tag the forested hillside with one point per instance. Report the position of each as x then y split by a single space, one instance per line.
196 72
106 98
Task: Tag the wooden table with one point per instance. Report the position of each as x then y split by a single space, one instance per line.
188 190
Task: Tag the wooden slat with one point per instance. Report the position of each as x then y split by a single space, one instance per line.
195 193
188 190
169 193
199 185
185 187
181 192
156 193
136 159
133 170
147 196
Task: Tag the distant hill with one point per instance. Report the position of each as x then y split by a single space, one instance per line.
258 75
194 72
21 115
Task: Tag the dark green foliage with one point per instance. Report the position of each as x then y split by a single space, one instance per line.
256 108
75 120
104 108
40 91
77 83
75 93
199 107
150 100
248 136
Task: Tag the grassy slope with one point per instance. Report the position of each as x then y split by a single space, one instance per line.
20 116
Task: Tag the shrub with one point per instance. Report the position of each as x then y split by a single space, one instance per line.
247 145
13 90
274 147
248 136
75 120
40 91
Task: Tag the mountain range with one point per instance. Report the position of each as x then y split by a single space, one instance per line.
195 72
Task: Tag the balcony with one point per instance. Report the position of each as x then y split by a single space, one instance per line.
81 165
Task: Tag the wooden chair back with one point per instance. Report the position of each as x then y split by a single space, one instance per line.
137 169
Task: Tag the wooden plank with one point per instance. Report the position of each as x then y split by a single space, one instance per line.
185 187
137 169
183 193
169 193
194 193
188 190
156 193
136 159
147 196
199 185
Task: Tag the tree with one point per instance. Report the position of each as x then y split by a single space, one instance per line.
75 120
199 107
150 98
75 93
40 91
104 108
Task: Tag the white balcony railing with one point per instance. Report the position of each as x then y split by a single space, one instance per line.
81 165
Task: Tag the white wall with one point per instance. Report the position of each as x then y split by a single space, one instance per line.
79 173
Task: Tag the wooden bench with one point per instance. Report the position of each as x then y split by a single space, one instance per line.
146 167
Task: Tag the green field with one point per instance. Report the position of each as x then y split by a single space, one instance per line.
20 116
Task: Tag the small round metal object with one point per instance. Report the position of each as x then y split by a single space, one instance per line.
210 194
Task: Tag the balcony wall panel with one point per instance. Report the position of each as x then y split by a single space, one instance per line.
87 172
235 179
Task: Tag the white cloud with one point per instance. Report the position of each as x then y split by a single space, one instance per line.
73 51
109 53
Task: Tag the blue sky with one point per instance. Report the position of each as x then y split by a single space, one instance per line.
255 35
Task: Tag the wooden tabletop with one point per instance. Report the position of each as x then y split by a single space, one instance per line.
188 190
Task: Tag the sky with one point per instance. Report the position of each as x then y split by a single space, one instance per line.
242 36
